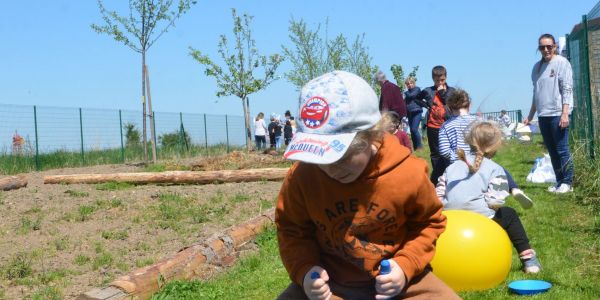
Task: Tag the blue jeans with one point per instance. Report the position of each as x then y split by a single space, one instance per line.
511 181
556 140
261 142
277 141
414 120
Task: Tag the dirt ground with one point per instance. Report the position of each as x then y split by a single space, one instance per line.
62 240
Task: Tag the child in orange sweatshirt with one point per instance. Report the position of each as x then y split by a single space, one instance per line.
355 197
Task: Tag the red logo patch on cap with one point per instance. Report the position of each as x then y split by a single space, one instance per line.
315 112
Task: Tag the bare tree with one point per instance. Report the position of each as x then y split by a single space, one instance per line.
238 77
139 30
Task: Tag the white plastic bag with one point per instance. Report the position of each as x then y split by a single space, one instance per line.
542 171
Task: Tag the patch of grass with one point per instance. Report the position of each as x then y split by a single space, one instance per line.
78 194
266 204
103 259
27 225
108 277
81 259
33 210
61 243
175 211
115 203
141 246
18 267
239 198
143 262
85 212
113 186
48 293
53 275
98 247
122 266
101 203
68 216
155 168
115 235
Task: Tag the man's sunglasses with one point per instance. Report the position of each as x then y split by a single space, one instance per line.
545 47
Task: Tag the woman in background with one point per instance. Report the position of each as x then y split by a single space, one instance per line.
260 131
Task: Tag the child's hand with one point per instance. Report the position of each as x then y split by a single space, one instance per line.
391 284
316 288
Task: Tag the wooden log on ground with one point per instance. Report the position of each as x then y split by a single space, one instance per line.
185 264
12 183
174 177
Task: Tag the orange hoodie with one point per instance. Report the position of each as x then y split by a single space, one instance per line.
390 211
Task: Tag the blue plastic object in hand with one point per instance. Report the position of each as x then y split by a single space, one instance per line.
529 287
384 267
314 275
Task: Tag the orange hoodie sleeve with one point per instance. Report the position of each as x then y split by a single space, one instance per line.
298 246
425 223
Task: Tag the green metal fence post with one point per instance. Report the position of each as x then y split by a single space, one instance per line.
205 135
588 91
154 128
181 133
37 151
227 132
81 134
519 116
121 129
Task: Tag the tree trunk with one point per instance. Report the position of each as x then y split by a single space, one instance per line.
174 177
246 106
12 183
144 141
151 114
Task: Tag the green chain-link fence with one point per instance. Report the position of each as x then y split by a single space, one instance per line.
583 51
40 137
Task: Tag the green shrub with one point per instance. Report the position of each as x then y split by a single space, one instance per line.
174 139
132 135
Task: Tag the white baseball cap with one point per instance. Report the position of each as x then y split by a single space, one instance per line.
335 106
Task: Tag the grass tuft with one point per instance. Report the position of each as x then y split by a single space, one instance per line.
78 194
18 267
113 186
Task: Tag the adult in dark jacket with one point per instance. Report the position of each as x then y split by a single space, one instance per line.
434 98
415 109
391 96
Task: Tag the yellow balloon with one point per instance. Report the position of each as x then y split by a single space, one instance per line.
473 254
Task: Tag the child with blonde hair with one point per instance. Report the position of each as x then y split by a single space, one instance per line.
476 183
452 138
341 211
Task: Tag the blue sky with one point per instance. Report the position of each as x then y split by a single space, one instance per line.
50 56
